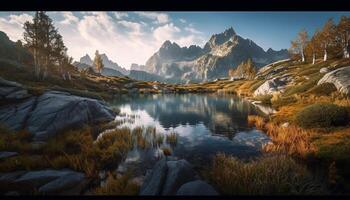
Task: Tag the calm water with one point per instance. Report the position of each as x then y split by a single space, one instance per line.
205 124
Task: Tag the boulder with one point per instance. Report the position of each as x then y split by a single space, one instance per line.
7 154
71 183
11 90
179 172
197 187
153 182
39 178
52 112
324 70
167 176
285 125
340 78
270 86
45 181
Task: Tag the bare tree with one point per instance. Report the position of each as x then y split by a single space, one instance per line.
298 45
98 62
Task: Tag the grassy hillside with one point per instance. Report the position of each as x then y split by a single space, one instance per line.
318 129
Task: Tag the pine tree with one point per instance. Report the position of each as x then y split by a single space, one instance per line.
41 37
98 62
31 37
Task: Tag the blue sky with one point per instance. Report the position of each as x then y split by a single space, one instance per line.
132 37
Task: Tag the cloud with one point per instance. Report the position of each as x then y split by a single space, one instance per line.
192 30
69 18
182 20
12 25
173 33
134 27
120 15
159 18
125 40
166 32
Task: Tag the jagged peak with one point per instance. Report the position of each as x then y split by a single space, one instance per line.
230 31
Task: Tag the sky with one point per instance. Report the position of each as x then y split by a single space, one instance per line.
133 37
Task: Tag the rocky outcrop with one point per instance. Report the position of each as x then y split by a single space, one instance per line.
7 154
273 85
324 70
196 188
168 176
340 78
10 90
47 181
51 112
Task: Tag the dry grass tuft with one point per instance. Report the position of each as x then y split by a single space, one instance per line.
257 121
118 186
274 175
290 140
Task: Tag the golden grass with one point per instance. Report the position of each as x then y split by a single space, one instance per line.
290 140
159 139
171 138
113 146
15 141
118 186
166 151
257 121
268 175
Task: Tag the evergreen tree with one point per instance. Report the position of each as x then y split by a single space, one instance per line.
45 43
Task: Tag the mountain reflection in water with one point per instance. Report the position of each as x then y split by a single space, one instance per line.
206 125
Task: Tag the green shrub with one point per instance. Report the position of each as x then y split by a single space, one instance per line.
268 175
324 89
322 115
297 89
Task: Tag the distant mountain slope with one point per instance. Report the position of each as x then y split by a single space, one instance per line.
105 71
107 63
222 52
10 51
141 75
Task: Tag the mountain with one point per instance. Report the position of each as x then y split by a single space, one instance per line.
105 71
137 67
12 51
106 62
222 52
86 60
142 75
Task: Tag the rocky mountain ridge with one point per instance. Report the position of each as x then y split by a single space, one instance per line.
222 52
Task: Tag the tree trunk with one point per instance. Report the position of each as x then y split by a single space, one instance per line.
36 64
313 58
325 55
302 56
69 77
345 51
